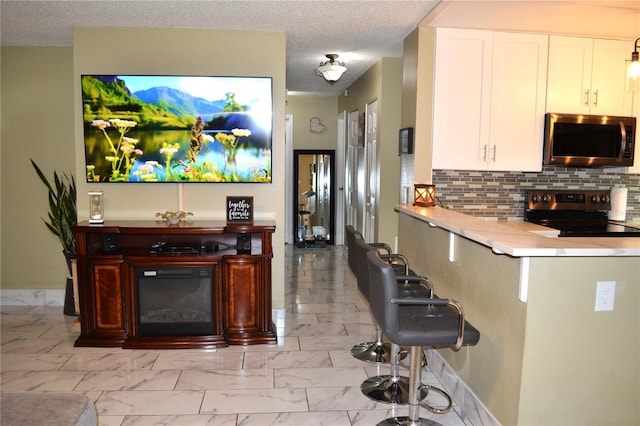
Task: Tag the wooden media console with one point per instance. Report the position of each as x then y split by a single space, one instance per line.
146 284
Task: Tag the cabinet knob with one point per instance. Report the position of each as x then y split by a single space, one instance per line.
586 98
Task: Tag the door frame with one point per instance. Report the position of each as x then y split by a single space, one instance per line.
290 222
332 188
341 152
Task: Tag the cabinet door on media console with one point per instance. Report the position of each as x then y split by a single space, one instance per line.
246 294
103 314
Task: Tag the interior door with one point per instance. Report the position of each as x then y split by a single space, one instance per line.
351 173
372 172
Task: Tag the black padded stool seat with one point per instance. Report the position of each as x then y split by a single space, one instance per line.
439 323
415 322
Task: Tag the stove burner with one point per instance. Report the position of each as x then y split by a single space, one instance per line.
575 213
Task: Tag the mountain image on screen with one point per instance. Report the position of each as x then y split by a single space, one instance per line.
177 128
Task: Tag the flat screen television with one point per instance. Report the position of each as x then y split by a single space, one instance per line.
170 128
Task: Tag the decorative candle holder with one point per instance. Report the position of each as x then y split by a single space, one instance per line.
424 195
96 207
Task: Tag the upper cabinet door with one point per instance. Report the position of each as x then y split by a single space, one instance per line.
587 76
489 100
518 88
609 78
569 77
461 99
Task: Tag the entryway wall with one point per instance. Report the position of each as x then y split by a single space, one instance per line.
301 110
381 83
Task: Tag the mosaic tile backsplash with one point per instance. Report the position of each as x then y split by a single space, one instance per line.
502 195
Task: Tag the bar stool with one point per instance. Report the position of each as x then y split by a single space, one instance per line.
375 351
416 322
388 388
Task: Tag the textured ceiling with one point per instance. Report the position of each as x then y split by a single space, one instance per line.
361 32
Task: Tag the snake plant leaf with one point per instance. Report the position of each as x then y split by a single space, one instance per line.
62 214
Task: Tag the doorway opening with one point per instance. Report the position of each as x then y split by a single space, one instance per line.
313 197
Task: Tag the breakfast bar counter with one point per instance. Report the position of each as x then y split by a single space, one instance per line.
546 355
521 238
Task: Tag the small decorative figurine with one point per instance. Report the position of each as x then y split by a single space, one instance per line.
174 218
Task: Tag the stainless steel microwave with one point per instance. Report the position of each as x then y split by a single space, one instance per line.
577 140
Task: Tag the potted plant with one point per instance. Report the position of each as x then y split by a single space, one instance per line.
62 210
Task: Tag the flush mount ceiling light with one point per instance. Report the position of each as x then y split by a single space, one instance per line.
633 69
331 70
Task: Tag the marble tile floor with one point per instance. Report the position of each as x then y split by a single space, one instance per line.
308 378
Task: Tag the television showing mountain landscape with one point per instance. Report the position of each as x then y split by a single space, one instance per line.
141 128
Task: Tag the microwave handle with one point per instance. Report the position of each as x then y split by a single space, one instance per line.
623 140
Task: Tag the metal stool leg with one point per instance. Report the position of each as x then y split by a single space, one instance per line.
391 388
416 396
377 351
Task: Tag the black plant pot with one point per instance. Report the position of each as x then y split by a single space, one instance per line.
69 302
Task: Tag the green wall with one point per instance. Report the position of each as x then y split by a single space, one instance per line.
37 122
305 107
41 110
382 82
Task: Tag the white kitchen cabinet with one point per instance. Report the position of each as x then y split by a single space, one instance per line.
489 100
461 98
518 88
588 76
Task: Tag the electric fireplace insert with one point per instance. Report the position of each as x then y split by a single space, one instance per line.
175 301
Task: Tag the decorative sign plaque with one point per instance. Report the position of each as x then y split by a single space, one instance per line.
240 210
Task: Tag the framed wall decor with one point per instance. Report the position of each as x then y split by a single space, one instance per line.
405 141
240 210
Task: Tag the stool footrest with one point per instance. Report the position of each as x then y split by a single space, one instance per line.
428 406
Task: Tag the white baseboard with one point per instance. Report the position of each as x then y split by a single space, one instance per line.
469 407
52 297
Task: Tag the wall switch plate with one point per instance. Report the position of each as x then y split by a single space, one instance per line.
605 295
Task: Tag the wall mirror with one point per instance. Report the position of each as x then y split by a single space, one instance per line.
314 198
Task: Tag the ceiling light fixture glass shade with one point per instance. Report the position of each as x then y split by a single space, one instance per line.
633 69
332 69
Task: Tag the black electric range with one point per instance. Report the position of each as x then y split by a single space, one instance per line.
575 213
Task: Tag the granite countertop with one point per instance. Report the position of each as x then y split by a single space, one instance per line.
521 239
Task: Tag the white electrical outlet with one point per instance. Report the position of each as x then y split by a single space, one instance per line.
605 295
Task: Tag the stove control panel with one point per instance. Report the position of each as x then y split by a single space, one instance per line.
547 199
